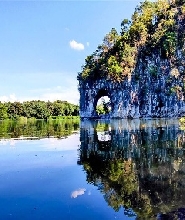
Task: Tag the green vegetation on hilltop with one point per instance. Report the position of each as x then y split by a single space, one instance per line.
155 28
37 109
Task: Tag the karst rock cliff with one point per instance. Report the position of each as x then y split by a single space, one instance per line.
142 69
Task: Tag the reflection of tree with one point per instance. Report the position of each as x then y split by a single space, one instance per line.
142 171
118 181
37 128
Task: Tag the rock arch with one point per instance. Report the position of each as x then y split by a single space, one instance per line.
120 95
101 93
141 97
131 98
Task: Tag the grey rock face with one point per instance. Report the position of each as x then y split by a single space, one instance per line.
154 90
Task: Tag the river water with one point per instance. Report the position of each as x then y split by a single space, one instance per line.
118 169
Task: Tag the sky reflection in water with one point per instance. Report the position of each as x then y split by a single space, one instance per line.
112 170
40 179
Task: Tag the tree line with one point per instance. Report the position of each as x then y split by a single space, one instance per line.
37 109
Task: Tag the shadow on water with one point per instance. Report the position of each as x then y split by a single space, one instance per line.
136 164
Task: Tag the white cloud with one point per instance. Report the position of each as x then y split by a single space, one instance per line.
77 193
11 98
65 91
69 94
76 46
87 44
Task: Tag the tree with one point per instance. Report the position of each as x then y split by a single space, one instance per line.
110 40
3 111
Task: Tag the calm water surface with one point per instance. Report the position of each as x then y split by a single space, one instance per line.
93 170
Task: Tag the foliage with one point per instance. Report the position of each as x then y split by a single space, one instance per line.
154 28
37 109
114 68
3 111
31 127
104 107
170 43
182 123
102 126
100 109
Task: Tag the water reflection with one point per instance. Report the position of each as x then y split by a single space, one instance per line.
138 165
77 193
36 129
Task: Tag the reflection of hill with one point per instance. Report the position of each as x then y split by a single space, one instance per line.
141 167
38 128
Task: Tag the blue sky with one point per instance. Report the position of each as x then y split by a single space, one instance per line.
43 44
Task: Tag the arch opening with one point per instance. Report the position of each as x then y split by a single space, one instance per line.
103 105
